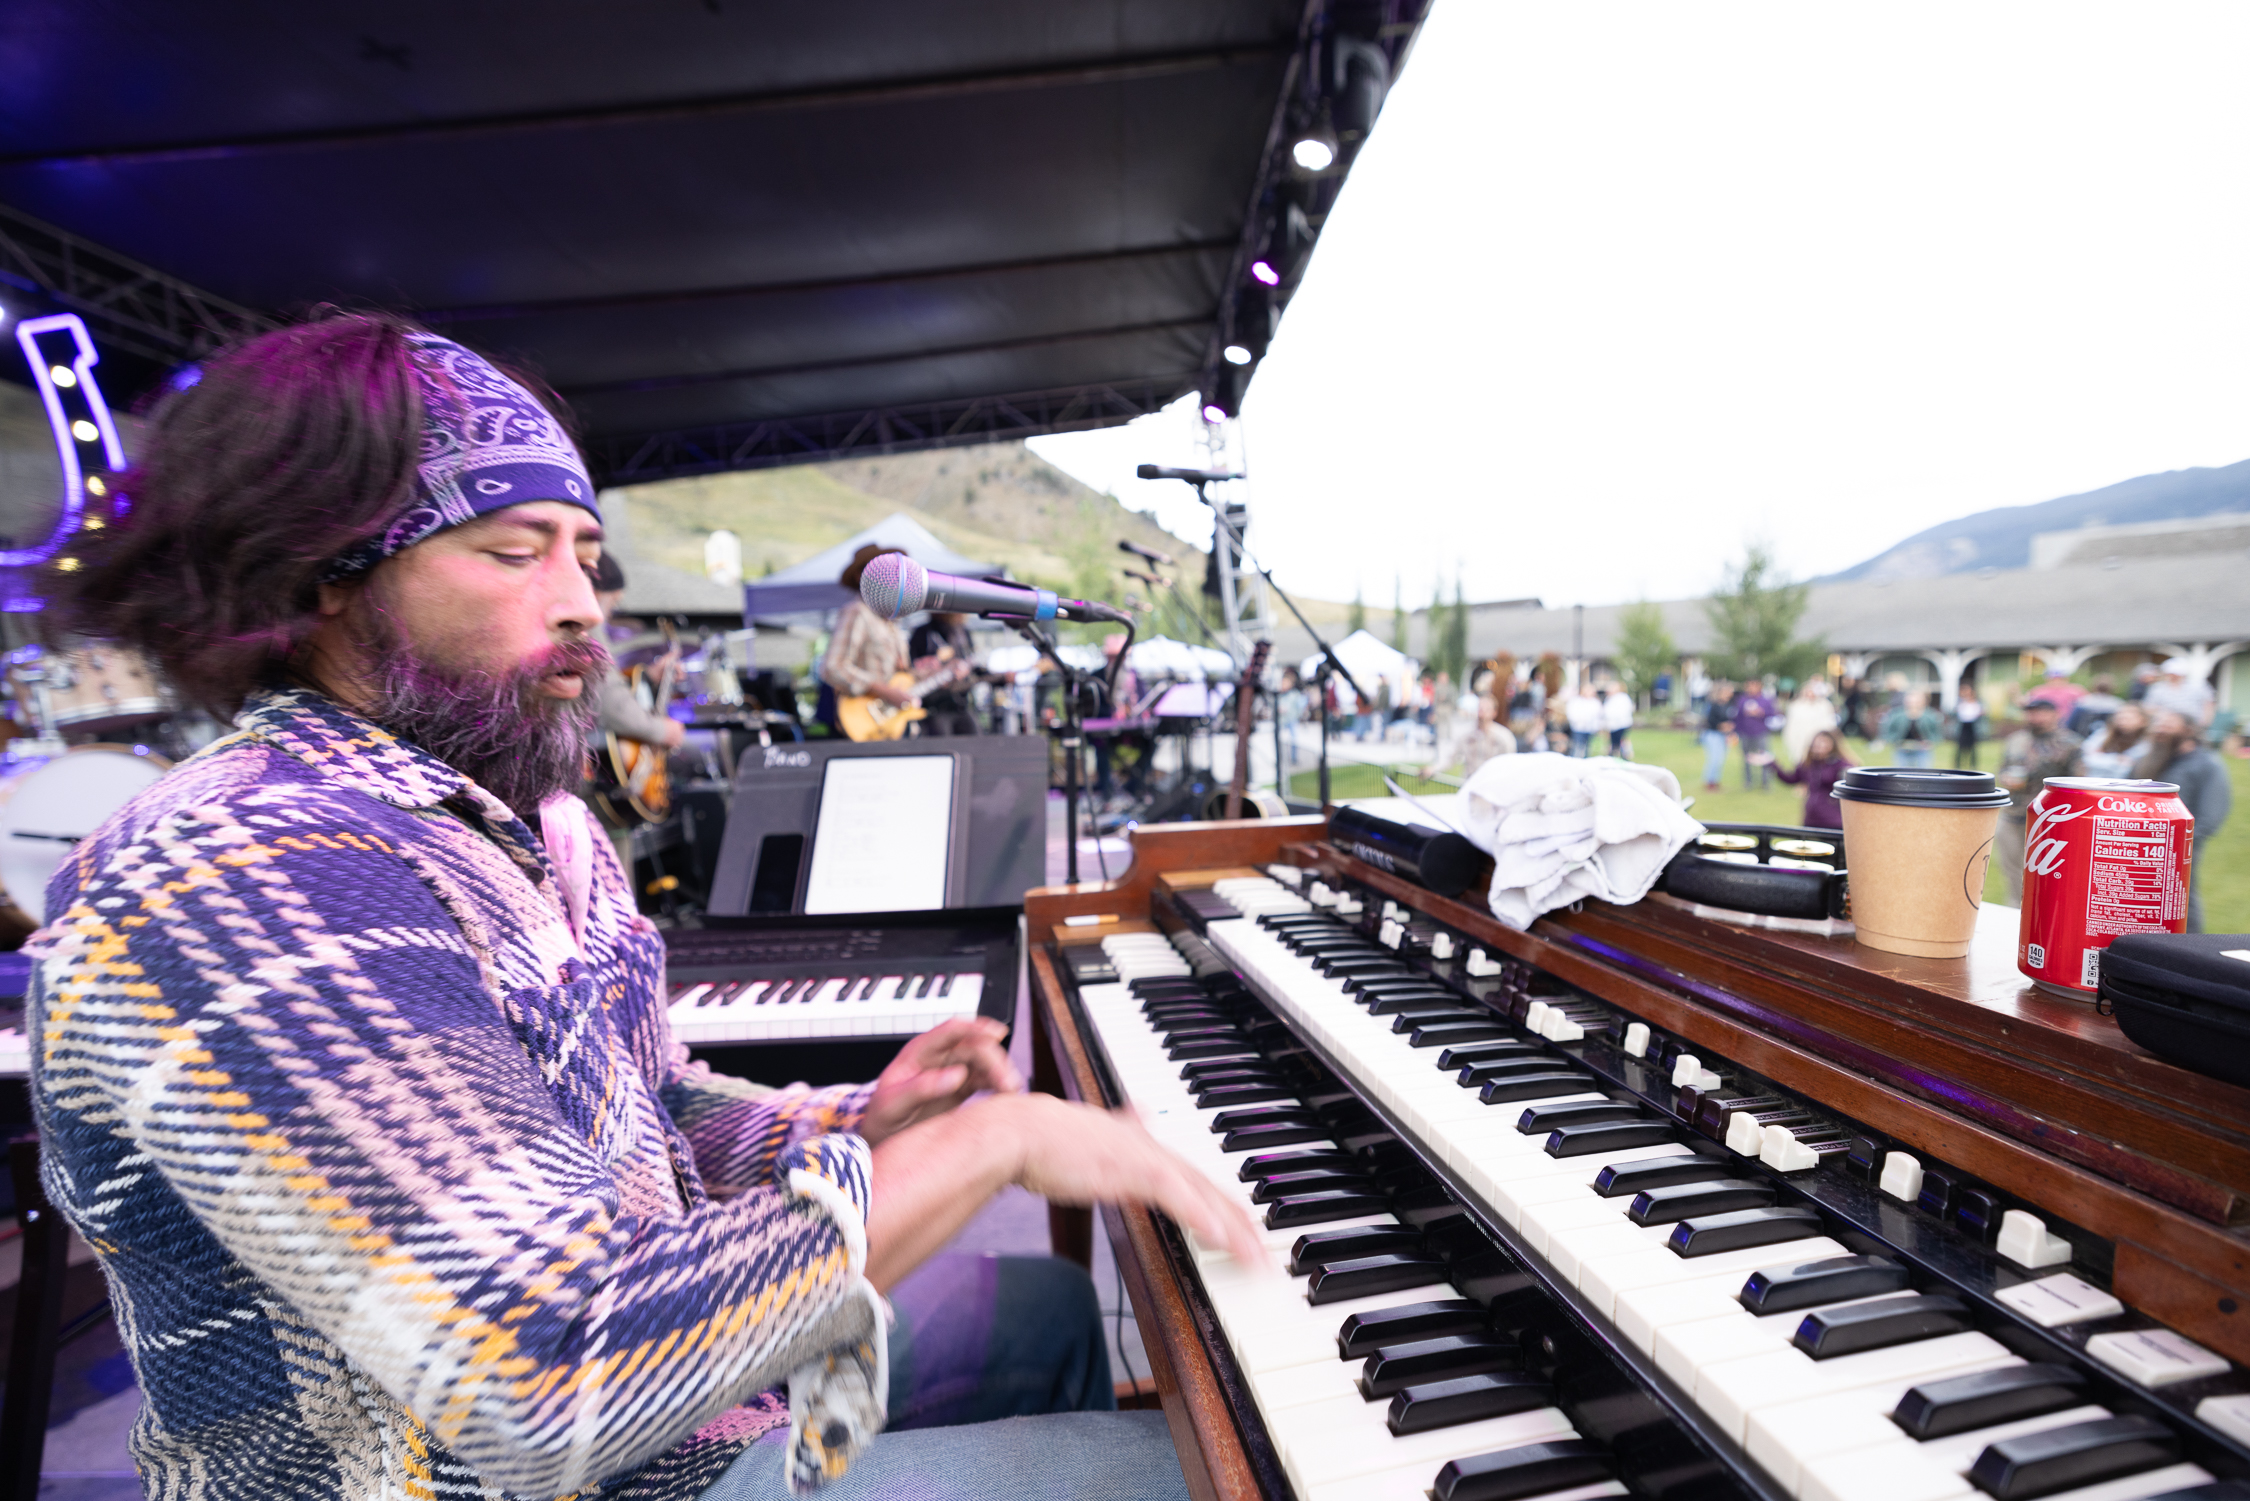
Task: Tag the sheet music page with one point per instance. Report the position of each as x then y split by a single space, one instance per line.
884 836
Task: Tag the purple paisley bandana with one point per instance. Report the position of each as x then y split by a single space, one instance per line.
487 444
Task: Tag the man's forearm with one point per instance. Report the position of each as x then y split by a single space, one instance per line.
930 1180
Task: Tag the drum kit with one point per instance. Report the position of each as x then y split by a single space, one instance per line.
91 711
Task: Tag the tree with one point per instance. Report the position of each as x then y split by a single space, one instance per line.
1398 615
1754 617
1357 620
1644 647
1457 635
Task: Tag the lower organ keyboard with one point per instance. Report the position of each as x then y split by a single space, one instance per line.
815 1005
1400 1354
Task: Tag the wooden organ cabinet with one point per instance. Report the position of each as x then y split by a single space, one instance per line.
1639 1203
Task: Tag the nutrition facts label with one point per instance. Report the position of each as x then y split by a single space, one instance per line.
2130 886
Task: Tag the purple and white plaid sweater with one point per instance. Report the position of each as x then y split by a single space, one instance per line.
401 1185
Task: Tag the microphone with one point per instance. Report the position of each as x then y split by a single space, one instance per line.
1192 476
894 585
1148 554
1149 579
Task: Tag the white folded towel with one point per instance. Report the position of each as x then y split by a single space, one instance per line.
1560 829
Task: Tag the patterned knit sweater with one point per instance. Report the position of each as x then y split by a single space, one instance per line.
401 1186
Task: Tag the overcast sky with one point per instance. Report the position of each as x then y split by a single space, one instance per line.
1614 287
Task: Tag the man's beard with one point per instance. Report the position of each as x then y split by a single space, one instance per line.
498 729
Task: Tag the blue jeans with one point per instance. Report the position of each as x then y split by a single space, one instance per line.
1755 777
1714 757
1581 741
1000 1386
1067 1456
1914 755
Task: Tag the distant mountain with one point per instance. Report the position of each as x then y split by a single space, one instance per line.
2001 538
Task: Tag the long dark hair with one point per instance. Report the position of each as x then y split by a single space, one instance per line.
276 456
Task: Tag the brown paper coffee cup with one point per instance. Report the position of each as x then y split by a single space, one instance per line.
1917 875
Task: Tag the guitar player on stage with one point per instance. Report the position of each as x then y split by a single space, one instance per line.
866 653
941 638
354 1066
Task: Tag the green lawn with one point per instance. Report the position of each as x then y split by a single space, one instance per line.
2226 857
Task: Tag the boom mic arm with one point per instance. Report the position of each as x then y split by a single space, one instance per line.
1192 476
1146 554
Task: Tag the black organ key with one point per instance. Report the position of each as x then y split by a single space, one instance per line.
1326 1247
1830 1332
1219 1068
1467 1399
1224 1092
1830 1280
1456 1237
1365 1333
1603 1137
1679 1201
1546 1084
1540 1119
1289 1185
1322 1206
1205 1047
1391 1003
1712 1234
1258 1168
1345 969
1393 1368
1271 1134
1407 1018
1445 1034
2062 1459
1394 1272
1491 1052
1564 1464
1477 1075
1963 1404
1252 1119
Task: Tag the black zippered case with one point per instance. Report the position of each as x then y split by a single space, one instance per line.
2185 997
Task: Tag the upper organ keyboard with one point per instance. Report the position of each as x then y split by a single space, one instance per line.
1820 1369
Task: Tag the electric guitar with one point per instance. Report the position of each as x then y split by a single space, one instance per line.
865 717
637 776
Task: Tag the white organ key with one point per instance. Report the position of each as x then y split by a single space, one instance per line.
1346 1435
1823 1457
1733 1389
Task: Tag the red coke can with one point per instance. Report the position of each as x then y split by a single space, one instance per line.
2100 858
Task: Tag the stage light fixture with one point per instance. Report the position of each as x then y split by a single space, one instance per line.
1262 268
1224 398
1237 355
84 431
63 375
1314 151
1359 76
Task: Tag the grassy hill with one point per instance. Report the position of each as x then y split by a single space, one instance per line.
999 503
2001 538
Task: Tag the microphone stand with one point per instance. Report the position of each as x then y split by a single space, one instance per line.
1330 662
1072 733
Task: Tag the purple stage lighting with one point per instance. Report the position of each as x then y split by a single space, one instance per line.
79 417
1263 270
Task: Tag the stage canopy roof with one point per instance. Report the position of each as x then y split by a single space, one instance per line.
734 234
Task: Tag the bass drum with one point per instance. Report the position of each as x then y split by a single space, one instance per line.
94 688
47 808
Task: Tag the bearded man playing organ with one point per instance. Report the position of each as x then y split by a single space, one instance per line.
350 1053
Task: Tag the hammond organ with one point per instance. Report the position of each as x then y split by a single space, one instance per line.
1638 1203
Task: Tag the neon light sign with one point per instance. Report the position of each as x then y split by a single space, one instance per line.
77 412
